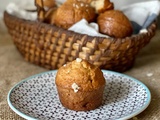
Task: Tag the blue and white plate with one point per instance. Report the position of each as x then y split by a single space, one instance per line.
36 98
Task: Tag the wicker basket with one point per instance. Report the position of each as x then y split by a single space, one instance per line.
51 47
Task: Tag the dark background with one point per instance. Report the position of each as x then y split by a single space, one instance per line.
158 22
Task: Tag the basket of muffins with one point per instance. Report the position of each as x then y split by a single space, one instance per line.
50 42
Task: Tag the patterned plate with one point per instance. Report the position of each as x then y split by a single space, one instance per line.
36 98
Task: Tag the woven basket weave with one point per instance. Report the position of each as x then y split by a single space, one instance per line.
51 47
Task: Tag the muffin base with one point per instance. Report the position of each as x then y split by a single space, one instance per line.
81 100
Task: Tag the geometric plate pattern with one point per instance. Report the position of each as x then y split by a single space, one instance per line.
36 98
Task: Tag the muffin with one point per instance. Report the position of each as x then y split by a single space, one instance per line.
115 24
49 4
71 12
80 85
102 5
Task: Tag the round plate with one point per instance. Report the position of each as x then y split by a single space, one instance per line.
36 98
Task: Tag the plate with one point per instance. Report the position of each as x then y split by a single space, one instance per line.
36 98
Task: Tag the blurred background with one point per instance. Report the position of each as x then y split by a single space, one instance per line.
117 3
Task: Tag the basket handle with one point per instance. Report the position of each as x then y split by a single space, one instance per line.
42 7
40 10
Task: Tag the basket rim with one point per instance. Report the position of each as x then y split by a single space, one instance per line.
99 48
133 36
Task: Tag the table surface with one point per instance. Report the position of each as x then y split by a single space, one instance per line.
13 69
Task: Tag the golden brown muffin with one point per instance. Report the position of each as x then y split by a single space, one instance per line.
80 85
73 11
102 5
115 24
85 1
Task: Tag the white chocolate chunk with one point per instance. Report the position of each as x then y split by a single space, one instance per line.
75 87
78 60
82 4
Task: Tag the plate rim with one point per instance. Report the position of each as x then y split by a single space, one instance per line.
108 71
144 86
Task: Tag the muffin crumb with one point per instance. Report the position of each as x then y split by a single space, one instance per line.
149 74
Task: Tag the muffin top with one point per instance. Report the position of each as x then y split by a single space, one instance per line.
73 11
80 75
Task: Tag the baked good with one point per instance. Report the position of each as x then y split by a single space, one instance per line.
73 11
102 5
80 85
49 3
115 24
85 1
50 15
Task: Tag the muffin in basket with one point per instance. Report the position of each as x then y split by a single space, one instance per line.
73 11
80 85
115 24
